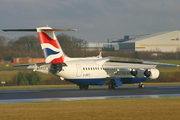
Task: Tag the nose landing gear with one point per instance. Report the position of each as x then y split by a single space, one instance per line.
141 86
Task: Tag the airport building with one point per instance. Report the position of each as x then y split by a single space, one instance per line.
168 41
157 42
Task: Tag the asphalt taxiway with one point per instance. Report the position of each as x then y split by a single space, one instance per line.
62 94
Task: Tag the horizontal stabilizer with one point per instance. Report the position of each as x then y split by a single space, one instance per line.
59 29
34 30
20 65
20 30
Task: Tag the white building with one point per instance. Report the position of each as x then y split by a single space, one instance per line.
159 42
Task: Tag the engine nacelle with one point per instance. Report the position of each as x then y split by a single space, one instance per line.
140 73
154 73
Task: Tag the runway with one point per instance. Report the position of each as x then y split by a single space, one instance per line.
63 94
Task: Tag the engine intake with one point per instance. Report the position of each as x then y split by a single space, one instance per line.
147 73
154 74
133 72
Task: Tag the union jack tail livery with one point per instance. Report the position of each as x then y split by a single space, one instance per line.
50 45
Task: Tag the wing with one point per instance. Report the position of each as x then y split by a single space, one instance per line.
135 63
128 67
160 64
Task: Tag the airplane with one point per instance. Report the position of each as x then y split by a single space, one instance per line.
90 70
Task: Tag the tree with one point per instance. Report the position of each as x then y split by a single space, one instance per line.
25 43
33 78
111 49
21 79
23 47
72 46
2 39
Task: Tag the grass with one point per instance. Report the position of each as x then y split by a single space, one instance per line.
37 87
75 86
133 109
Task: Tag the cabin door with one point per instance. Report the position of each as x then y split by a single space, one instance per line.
79 70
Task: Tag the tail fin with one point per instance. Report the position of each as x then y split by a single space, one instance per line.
100 55
49 43
50 46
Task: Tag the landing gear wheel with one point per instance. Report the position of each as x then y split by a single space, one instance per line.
80 87
86 87
112 86
115 87
83 87
141 86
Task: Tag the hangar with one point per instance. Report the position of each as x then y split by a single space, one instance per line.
159 42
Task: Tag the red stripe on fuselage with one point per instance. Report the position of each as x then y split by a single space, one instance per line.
44 38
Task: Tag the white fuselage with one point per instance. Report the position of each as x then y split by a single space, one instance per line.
91 68
82 69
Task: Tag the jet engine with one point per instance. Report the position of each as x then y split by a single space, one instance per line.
150 73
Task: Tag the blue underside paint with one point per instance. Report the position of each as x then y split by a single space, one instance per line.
133 80
100 81
96 81
118 82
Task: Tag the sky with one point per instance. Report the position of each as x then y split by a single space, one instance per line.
95 20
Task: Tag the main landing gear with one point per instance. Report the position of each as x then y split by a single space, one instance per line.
112 85
83 87
141 86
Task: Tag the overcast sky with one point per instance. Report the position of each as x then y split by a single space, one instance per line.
96 20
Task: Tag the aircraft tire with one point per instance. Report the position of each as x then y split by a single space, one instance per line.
115 87
110 86
86 87
80 87
141 86
83 87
